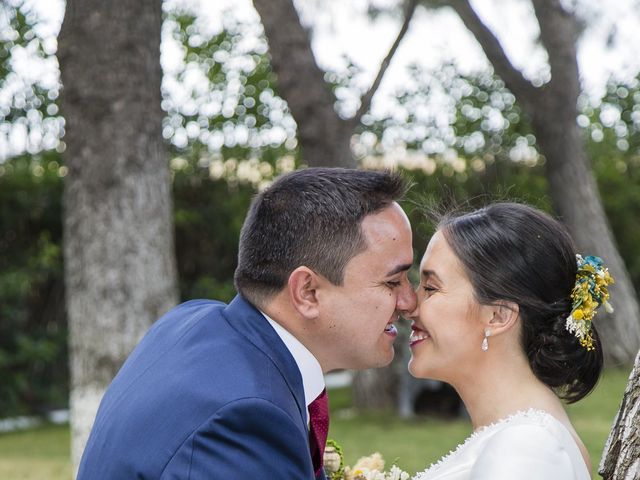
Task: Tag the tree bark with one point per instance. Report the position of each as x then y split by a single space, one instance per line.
325 138
120 269
365 102
621 457
553 111
376 389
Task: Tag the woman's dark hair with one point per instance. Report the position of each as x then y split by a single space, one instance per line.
517 253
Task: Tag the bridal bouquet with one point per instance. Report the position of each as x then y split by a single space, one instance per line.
366 468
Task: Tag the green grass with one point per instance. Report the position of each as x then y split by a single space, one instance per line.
43 453
38 454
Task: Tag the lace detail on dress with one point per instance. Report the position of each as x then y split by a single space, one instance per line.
539 416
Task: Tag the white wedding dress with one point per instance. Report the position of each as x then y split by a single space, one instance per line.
525 446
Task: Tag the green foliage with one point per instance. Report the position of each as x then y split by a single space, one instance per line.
237 115
444 111
612 128
466 143
33 331
228 104
208 218
33 355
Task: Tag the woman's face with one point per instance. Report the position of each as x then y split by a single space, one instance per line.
448 327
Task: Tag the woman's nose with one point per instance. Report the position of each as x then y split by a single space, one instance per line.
407 303
413 312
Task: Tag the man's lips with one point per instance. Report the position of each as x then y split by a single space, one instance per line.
391 329
417 335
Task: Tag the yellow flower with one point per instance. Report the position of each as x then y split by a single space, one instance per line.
587 342
589 292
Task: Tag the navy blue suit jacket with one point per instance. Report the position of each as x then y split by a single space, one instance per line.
211 392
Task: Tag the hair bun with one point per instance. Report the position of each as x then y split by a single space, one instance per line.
559 360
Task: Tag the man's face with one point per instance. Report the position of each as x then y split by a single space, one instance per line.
357 317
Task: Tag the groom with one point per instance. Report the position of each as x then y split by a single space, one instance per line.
236 391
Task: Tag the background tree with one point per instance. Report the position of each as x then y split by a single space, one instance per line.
325 137
118 240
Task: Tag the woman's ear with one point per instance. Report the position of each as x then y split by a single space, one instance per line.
302 286
504 316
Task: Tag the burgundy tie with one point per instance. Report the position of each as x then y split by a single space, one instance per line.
318 429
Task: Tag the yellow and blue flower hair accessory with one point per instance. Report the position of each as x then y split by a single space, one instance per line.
590 291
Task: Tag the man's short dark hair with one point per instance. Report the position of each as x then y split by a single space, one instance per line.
309 217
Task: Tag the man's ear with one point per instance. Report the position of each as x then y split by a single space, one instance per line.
302 285
504 316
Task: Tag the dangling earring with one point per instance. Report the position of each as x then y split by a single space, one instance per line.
485 342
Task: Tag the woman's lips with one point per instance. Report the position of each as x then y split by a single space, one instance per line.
417 335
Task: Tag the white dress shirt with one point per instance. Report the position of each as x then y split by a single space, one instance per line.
310 369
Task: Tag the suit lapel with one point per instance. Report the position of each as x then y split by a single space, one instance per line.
249 322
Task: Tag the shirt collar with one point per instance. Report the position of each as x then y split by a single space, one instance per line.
310 369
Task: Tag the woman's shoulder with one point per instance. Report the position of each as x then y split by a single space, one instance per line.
526 427
529 444
461 460
535 419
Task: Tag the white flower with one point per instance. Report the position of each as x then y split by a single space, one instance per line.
607 306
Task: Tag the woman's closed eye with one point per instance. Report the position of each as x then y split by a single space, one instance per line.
429 289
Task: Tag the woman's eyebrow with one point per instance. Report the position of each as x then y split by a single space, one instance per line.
427 274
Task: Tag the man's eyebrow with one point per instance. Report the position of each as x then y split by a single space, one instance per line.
430 273
399 268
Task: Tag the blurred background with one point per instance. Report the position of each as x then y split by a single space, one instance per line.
133 136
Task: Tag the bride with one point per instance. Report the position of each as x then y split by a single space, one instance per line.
504 316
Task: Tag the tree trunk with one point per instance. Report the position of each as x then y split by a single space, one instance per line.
553 111
376 389
118 239
621 457
325 138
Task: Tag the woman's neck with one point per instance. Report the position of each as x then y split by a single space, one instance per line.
494 392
